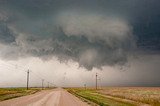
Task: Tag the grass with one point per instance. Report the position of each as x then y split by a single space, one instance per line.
120 96
97 98
9 93
146 95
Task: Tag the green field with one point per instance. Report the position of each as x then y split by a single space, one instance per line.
119 96
9 93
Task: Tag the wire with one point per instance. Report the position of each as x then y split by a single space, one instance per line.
15 67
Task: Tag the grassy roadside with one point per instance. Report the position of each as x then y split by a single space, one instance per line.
142 95
9 93
97 98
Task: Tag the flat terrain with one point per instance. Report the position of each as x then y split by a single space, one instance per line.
147 95
9 93
120 96
55 97
108 96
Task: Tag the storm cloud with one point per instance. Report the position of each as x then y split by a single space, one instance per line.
94 34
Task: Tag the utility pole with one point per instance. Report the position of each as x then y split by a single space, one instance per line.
42 83
85 86
27 79
99 79
53 84
48 84
96 80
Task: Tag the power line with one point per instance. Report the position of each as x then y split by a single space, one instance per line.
10 67
27 79
96 80
42 83
48 84
85 86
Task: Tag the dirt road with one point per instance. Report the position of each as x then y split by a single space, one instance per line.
56 97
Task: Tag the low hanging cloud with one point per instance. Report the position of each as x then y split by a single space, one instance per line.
94 27
92 40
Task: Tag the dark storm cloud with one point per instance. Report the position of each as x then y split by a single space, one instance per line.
6 35
93 33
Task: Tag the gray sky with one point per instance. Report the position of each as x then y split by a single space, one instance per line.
67 42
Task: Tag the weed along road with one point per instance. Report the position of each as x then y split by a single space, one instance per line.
56 97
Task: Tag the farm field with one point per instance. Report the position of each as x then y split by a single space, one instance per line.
9 93
120 96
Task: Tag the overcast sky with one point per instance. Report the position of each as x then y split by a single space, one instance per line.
66 42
